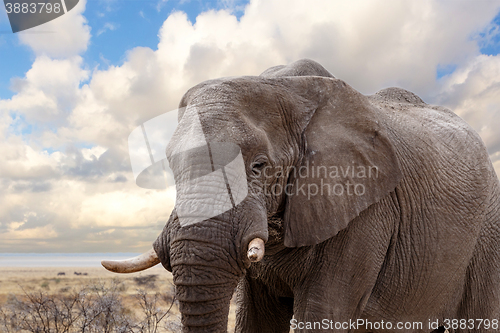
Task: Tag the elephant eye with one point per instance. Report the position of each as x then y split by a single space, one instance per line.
257 166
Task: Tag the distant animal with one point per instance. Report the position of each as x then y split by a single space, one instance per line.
373 209
61 273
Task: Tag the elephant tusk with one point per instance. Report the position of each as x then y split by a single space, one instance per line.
256 250
136 264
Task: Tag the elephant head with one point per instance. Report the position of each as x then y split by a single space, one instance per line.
239 156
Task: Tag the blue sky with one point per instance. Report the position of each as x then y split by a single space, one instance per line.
72 90
492 45
118 26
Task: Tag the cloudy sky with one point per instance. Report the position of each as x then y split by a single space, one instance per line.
73 89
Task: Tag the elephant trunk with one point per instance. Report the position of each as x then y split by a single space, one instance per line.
205 275
205 308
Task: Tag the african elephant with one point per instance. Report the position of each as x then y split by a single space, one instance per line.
375 210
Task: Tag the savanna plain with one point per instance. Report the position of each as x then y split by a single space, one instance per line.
65 299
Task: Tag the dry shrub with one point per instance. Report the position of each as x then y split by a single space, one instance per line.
95 308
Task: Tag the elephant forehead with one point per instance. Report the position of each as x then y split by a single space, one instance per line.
254 113
219 122
234 89
253 97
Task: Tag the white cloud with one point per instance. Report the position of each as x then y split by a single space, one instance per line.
48 92
473 92
45 232
21 161
127 208
369 43
93 153
160 4
107 26
66 36
496 164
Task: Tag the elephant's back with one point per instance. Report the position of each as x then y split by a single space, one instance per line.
428 130
432 141
436 145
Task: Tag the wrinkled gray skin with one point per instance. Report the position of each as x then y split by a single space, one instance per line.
422 242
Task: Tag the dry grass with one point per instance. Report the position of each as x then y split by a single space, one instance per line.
131 288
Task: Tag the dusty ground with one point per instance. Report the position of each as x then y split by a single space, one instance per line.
19 280
14 280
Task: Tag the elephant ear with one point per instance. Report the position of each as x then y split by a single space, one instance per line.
348 161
